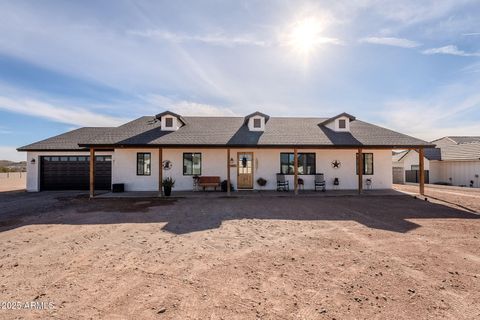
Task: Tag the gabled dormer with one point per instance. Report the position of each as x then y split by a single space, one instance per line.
339 123
170 121
256 121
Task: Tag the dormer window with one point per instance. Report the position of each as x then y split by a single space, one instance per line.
340 123
256 121
170 121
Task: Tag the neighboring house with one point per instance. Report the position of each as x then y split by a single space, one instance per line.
406 168
455 161
251 147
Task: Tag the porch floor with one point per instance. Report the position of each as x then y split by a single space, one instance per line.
250 193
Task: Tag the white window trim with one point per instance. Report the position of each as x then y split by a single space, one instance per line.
251 125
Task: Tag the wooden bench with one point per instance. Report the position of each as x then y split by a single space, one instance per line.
205 181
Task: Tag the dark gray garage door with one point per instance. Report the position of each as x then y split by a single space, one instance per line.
72 172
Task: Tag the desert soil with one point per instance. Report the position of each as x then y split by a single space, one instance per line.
370 257
468 198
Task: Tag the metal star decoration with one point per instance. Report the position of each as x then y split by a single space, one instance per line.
336 164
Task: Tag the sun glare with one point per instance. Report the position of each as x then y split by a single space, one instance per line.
305 35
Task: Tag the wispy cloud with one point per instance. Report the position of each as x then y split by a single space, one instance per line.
4 130
221 39
443 113
471 34
451 50
212 39
186 108
391 41
409 12
63 114
473 68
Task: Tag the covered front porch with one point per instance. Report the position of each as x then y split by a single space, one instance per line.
241 165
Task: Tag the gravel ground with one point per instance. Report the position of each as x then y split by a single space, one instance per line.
469 198
388 257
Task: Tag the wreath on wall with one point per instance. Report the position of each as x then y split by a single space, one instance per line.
167 164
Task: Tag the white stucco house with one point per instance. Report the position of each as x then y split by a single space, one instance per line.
141 153
405 166
454 161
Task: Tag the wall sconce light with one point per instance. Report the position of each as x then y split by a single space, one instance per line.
32 161
232 162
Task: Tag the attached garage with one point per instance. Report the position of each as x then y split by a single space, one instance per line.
72 172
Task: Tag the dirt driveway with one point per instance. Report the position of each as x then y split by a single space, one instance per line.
389 257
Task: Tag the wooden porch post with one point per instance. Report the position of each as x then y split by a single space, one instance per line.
360 170
421 155
295 170
160 172
92 172
228 172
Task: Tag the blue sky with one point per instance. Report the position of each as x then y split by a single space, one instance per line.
412 66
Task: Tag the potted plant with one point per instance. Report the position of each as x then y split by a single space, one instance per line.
224 185
261 182
168 184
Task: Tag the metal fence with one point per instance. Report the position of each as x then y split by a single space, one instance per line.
414 176
12 175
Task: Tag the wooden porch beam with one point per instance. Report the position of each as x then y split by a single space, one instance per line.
92 173
228 172
295 170
160 172
360 170
421 157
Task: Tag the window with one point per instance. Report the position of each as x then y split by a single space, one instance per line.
415 167
169 122
367 164
342 124
306 163
143 164
192 164
257 123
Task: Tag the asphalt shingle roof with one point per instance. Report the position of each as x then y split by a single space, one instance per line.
67 141
232 131
464 151
465 139
433 154
453 148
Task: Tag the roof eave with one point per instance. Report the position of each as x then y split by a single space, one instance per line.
269 146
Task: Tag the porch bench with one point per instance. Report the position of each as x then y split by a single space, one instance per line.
207 181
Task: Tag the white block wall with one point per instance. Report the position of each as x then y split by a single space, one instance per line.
461 172
412 159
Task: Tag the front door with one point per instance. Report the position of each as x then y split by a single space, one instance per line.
245 170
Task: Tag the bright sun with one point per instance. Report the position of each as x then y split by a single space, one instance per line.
305 35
